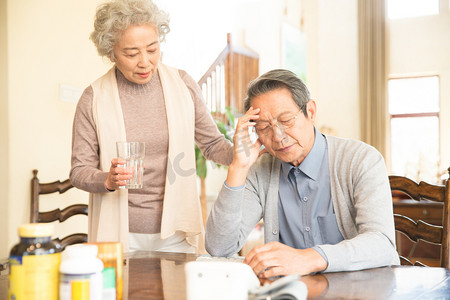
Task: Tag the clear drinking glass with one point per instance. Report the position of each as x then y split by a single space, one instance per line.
133 153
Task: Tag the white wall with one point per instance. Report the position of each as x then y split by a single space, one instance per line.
4 130
421 46
332 70
199 28
196 35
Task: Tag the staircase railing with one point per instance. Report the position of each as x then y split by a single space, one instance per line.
225 82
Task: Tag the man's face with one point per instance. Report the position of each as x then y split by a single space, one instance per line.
282 128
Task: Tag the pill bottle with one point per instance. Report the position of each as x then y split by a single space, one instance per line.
80 273
34 264
111 254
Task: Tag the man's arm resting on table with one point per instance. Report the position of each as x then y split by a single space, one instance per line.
230 221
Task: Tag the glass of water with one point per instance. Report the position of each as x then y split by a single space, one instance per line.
133 153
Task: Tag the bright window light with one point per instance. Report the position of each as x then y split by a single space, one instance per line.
414 110
398 9
413 95
415 148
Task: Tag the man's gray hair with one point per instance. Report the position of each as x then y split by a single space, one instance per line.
276 79
114 17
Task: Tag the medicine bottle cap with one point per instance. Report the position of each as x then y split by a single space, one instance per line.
80 259
80 250
35 230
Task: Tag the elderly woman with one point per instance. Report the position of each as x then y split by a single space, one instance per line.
141 99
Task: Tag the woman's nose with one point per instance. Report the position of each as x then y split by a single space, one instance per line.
144 60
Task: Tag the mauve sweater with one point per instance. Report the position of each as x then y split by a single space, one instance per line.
145 120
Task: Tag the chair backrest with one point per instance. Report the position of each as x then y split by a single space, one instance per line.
417 230
37 216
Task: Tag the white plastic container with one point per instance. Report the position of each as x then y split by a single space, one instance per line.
80 273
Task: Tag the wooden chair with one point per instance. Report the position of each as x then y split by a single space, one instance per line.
417 230
37 216
4 265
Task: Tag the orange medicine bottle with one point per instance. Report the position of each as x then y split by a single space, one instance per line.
111 253
34 264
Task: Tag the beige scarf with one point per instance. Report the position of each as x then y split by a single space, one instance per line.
108 212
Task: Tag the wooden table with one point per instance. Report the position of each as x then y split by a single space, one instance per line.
156 275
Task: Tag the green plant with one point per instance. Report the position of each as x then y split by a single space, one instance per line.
226 128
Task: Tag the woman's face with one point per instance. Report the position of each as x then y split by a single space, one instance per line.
137 53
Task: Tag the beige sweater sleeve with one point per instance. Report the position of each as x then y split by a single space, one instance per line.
85 173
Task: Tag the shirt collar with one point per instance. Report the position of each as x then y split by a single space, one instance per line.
310 166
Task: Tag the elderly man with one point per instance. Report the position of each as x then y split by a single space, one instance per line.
325 201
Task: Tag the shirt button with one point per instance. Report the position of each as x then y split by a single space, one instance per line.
274 231
307 228
305 199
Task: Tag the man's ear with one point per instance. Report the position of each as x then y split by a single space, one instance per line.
311 109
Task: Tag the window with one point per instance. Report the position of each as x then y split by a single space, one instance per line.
414 111
398 9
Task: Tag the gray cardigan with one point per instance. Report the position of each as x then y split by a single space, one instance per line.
361 198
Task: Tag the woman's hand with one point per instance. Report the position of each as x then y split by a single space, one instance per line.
245 152
117 175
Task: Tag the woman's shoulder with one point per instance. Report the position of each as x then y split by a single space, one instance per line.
191 84
84 106
188 80
86 97
184 75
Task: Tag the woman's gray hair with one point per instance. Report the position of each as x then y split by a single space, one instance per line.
114 17
276 79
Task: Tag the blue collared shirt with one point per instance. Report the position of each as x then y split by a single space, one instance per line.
305 208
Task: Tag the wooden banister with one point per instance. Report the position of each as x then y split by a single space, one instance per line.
219 60
225 83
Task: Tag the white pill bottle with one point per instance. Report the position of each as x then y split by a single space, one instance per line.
80 273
